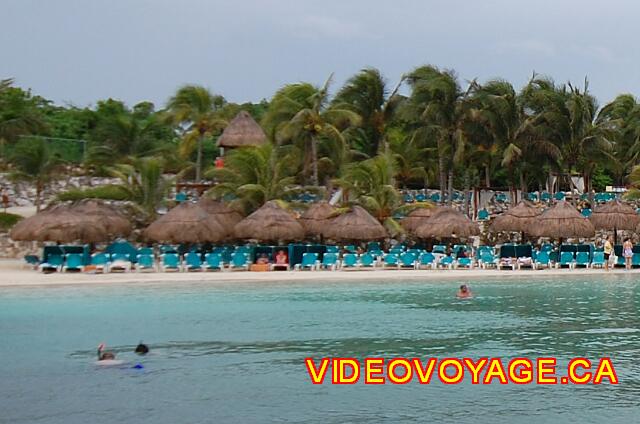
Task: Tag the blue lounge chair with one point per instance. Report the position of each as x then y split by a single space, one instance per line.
635 260
333 249
598 260
426 260
100 261
390 261
120 262
54 263
488 260
351 248
330 261
367 260
213 262
533 197
582 259
349 261
542 260
566 259
545 196
145 251
407 260
420 197
483 215
73 262
192 262
439 248
309 261
446 262
559 196
586 212
32 261
146 262
239 260
170 262
464 263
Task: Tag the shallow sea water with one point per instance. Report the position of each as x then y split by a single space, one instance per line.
234 353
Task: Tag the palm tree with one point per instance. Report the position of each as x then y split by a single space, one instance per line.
195 109
255 175
301 113
436 107
144 183
34 162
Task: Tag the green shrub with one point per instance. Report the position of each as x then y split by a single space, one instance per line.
106 192
8 220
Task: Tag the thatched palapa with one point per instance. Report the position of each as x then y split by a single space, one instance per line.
447 223
270 223
222 213
615 216
356 224
563 221
242 131
315 219
115 222
187 223
520 218
416 218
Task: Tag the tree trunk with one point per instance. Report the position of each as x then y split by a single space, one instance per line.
450 199
523 185
314 160
443 176
199 161
487 176
38 194
466 192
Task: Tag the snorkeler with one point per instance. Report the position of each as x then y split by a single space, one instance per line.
464 292
105 356
142 349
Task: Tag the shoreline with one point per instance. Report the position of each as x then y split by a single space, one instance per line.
15 275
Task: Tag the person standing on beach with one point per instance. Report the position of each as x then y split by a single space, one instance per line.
608 251
627 252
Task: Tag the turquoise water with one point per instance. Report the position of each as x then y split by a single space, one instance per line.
234 353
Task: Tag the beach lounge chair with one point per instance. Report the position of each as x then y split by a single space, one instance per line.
598 260
464 263
426 260
170 262
309 261
333 249
566 259
542 260
54 263
146 262
439 248
351 248
330 261
349 261
446 262
635 260
213 262
390 261
582 259
508 263
73 262
239 260
100 262
192 262
407 260
483 215
367 260
488 260
32 261
120 262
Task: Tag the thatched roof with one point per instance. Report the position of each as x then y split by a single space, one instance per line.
270 223
446 223
115 222
520 218
186 223
615 216
221 213
563 221
416 218
315 219
356 224
242 131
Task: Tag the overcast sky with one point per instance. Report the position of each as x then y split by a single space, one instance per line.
80 51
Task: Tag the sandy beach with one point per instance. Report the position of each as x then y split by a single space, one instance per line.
13 273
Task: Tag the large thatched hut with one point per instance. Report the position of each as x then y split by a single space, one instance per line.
357 224
520 219
447 223
314 220
563 221
416 218
270 223
187 223
242 131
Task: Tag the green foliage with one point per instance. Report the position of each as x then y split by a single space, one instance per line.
601 179
8 220
106 192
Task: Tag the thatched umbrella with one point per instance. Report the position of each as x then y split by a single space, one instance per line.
615 216
242 131
186 223
115 222
446 223
519 219
416 218
563 221
270 223
221 213
356 224
314 219
61 224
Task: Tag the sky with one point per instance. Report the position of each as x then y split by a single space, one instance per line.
80 51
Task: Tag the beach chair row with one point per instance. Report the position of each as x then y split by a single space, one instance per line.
405 260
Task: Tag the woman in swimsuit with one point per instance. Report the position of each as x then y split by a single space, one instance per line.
627 252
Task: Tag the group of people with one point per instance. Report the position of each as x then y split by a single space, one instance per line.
106 355
281 260
609 253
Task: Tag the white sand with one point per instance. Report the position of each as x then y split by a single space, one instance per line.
13 273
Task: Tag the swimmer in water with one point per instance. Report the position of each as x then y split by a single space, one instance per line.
464 292
142 349
105 356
